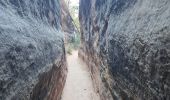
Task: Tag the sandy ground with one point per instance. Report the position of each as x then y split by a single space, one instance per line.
78 84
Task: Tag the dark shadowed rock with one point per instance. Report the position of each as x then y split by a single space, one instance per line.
126 44
32 55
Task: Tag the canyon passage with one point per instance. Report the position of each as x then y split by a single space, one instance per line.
78 83
93 50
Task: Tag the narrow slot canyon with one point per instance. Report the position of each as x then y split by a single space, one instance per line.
84 50
78 83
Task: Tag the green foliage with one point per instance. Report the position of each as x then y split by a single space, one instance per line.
74 44
77 23
76 41
69 50
74 14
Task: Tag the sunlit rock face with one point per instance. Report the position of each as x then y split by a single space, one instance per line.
126 44
32 55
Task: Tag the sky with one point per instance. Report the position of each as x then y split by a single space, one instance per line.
74 2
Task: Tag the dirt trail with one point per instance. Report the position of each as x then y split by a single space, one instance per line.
78 84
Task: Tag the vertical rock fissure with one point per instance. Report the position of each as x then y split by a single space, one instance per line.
125 44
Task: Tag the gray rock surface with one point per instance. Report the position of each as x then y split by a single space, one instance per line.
67 23
126 44
32 55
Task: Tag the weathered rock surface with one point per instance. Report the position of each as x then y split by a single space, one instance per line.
67 22
32 55
126 44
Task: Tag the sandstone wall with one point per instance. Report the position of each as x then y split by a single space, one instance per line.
32 55
126 44
67 22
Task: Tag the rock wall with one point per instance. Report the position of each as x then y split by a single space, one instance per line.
32 55
67 22
126 44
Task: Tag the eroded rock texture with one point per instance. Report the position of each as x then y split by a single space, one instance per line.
67 22
32 55
126 44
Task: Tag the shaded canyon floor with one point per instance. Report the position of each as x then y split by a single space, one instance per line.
78 83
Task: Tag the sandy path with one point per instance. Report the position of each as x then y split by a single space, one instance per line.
78 84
